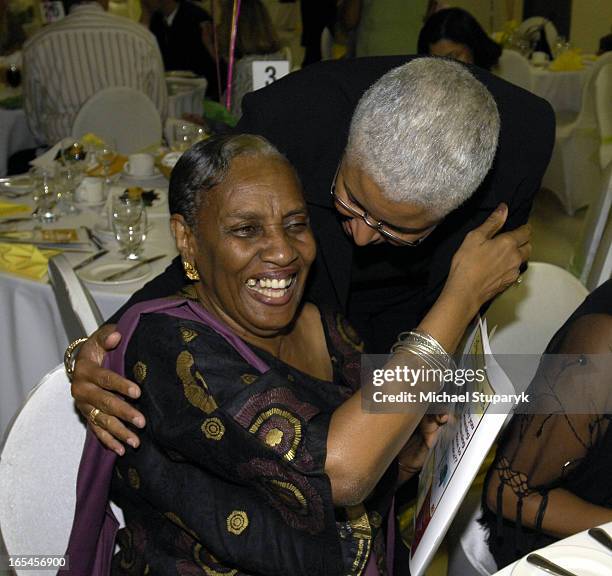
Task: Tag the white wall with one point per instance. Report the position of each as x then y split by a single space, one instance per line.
591 19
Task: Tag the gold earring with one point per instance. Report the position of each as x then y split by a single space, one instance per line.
190 271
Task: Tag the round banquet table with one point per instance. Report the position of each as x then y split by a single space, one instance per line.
186 96
581 540
31 331
562 89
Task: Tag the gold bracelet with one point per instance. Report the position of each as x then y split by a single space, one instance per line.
69 356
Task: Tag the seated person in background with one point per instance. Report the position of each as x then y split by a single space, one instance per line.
552 474
177 25
254 458
455 33
256 39
60 74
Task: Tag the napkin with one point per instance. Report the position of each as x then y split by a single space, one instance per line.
567 61
25 260
47 159
9 209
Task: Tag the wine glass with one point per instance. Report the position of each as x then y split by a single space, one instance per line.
184 135
106 153
129 221
45 195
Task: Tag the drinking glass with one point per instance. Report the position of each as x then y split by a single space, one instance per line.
129 221
45 195
185 134
105 153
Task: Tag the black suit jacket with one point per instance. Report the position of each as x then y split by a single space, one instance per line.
181 44
307 116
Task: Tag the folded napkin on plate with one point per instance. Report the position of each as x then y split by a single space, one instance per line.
25 260
567 61
10 209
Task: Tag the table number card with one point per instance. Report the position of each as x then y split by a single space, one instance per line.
267 71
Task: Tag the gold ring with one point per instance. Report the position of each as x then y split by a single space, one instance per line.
93 414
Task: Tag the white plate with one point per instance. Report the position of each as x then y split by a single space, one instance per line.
127 176
17 185
579 559
95 274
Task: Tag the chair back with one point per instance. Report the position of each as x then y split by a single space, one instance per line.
531 24
603 107
595 241
591 110
38 468
78 310
514 67
122 114
527 315
39 463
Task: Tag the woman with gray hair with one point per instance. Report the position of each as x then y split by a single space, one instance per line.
253 459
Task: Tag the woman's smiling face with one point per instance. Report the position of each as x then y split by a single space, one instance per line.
253 246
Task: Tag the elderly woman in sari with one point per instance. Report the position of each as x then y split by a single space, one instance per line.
257 457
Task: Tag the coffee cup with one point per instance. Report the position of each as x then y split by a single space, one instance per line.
140 165
90 190
539 57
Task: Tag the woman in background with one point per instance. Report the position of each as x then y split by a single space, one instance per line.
455 33
256 39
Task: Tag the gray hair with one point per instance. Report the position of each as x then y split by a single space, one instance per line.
426 133
205 165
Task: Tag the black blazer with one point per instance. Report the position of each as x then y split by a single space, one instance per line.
307 116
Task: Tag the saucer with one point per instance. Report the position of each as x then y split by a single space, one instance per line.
153 176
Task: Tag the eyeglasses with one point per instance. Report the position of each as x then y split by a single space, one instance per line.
380 226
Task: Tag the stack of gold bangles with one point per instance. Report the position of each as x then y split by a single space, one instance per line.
427 348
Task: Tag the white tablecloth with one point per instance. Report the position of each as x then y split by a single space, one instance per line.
31 331
562 89
581 539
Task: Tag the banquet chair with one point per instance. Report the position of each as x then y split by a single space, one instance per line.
122 114
78 310
575 169
38 469
589 260
514 67
522 321
528 26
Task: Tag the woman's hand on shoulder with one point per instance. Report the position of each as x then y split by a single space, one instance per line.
488 262
96 387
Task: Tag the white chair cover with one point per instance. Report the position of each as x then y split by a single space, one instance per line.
39 463
122 114
574 172
38 467
514 67
595 245
79 312
533 23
